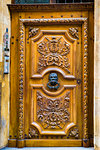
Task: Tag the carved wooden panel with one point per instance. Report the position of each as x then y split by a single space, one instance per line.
53 115
40 35
53 52
55 49
52 112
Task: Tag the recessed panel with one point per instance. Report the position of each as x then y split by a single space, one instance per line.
53 115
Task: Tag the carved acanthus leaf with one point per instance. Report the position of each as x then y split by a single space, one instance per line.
53 113
74 32
33 31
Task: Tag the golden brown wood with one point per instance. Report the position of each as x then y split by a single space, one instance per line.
51 143
46 114
20 143
91 77
12 143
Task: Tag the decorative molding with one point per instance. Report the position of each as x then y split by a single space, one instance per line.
54 32
53 69
51 21
74 32
53 51
51 7
85 82
53 113
56 93
74 133
84 23
21 82
33 31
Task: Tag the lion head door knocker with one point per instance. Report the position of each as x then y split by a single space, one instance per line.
53 81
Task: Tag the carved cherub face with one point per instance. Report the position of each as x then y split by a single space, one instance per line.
53 79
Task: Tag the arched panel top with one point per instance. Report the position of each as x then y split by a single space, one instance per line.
53 32
53 69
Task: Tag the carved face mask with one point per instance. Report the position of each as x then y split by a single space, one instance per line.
53 79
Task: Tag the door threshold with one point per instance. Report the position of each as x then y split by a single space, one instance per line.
48 148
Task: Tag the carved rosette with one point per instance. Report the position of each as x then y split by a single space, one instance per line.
33 31
53 51
74 32
53 113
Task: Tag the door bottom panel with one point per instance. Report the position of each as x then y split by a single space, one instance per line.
53 142
47 143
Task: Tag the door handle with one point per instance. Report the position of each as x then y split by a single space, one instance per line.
53 81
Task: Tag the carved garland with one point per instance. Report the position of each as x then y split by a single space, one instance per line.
85 66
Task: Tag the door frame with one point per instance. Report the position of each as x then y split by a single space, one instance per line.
21 86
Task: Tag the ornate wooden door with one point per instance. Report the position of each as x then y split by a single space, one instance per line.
53 82
50 93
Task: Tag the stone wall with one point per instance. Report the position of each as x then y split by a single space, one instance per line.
4 78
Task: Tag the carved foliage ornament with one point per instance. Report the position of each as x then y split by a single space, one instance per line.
53 51
33 31
33 133
53 113
74 32
74 133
